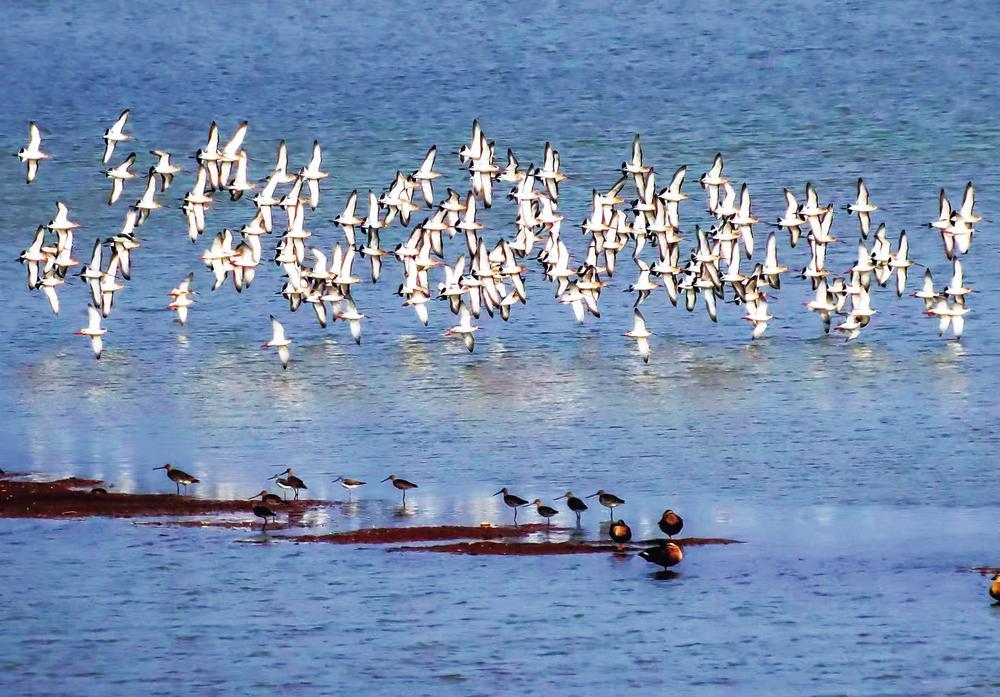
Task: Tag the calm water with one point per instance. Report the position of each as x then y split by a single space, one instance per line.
861 475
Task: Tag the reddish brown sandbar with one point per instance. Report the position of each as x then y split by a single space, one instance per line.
548 548
73 498
985 570
435 533
228 524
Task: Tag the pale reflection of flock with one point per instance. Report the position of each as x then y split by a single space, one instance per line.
476 277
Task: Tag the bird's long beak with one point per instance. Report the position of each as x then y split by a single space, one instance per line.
338 479
498 493
252 497
160 468
560 497
276 475
386 479
591 496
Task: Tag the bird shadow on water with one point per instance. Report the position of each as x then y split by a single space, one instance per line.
666 575
263 537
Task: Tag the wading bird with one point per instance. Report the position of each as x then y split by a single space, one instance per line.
178 477
400 484
512 501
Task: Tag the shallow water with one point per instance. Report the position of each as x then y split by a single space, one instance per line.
859 475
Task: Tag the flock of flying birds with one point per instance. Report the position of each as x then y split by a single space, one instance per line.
493 278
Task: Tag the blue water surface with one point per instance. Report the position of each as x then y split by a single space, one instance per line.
861 475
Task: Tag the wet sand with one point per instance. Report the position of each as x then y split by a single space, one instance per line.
74 497
429 533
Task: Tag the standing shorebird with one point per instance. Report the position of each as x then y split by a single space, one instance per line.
545 511
349 484
264 508
287 480
268 499
577 505
262 511
995 587
178 477
620 532
512 501
607 500
666 555
400 484
670 523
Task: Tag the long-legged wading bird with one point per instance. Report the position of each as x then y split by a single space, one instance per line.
178 477
287 480
400 484
545 511
575 504
262 511
268 499
349 484
512 501
609 501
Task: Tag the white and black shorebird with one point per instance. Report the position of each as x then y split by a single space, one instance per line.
164 168
349 484
114 135
640 334
32 154
862 207
279 341
181 300
287 480
118 176
312 174
94 331
464 328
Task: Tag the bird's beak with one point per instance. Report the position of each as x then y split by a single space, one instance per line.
252 497
386 479
592 496
275 476
498 493
160 468
560 497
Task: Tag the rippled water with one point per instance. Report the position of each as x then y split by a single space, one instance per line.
860 474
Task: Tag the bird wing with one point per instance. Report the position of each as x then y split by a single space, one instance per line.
34 137
278 331
638 322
